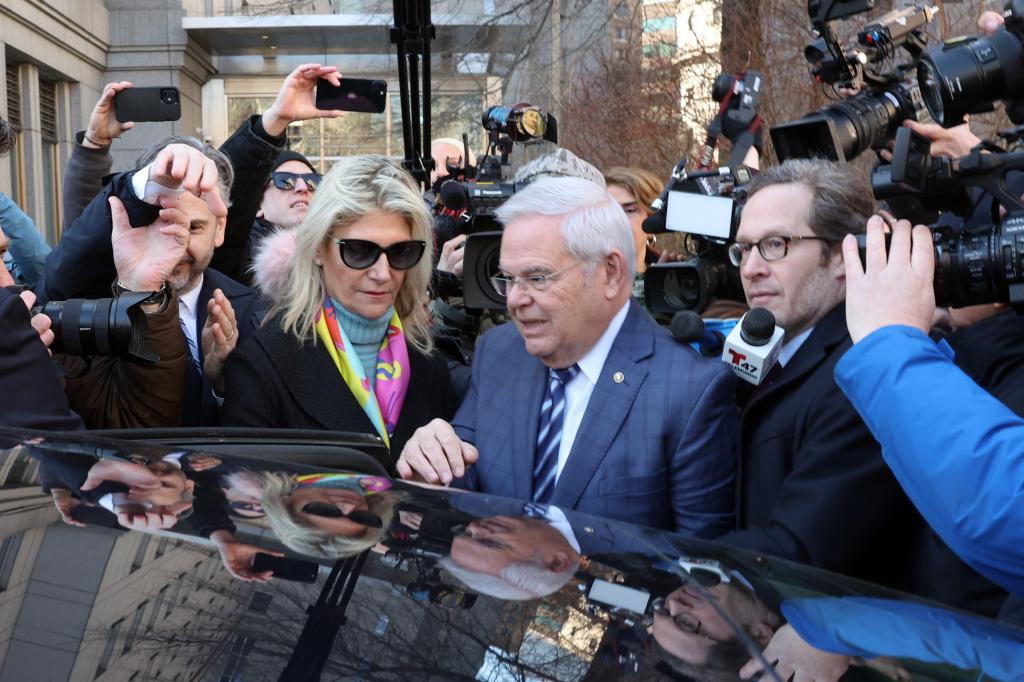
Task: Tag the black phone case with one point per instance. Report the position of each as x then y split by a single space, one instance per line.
285 568
148 104
354 94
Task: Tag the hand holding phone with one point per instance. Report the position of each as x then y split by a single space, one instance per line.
352 94
147 104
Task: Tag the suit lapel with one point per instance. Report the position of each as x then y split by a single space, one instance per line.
828 333
527 393
608 407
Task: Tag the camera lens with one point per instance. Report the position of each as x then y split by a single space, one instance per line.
968 75
168 96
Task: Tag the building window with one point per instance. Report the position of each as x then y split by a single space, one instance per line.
621 11
8 556
133 631
16 160
51 164
659 24
161 547
620 33
158 603
241 647
108 649
140 553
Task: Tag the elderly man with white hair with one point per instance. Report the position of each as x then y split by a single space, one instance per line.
583 401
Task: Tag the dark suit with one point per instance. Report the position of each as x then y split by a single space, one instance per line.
274 381
31 395
656 448
812 484
248 311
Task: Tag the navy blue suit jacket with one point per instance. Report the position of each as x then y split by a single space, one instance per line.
657 449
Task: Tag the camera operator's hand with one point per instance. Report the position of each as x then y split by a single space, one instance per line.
435 454
145 257
950 142
453 253
219 338
989 22
890 291
796 660
296 100
41 323
181 166
104 127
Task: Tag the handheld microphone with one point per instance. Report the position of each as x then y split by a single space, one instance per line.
752 347
454 196
688 327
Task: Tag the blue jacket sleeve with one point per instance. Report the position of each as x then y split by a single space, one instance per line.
28 248
869 627
957 451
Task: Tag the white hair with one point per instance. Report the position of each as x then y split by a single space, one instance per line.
593 224
519 581
559 163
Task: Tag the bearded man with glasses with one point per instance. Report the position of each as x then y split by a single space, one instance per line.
583 401
812 483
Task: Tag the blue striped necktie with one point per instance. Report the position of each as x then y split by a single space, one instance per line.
192 400
549 435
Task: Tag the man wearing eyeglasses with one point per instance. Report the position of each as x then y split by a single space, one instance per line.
583 401
812 484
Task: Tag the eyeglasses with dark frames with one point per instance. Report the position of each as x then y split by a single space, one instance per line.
360 254
771 248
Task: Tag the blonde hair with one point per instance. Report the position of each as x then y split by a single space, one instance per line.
302 538
642 184
355 187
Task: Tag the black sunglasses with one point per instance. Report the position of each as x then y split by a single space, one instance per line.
329 511
286 181
360 254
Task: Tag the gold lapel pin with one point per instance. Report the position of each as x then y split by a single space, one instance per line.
618 377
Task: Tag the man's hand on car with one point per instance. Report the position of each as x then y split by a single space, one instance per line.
435 454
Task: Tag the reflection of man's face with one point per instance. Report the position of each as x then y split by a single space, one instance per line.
346 501
489 545
173 483
5 277
687 626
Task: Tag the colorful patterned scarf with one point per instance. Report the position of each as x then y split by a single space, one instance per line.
382 403
358 482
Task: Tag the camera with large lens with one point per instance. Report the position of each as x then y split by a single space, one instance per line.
968 74
104 326
974 264
701 205
842 131
469 198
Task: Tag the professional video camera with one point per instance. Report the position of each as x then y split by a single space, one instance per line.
470 195
885 98
966 75
701 205
104 326
974 264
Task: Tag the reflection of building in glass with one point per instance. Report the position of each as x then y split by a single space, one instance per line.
94 603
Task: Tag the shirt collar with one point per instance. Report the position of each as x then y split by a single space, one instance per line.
190 299
592 363
790 348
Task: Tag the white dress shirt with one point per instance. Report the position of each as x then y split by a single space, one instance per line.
790 348
579 390
187 304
